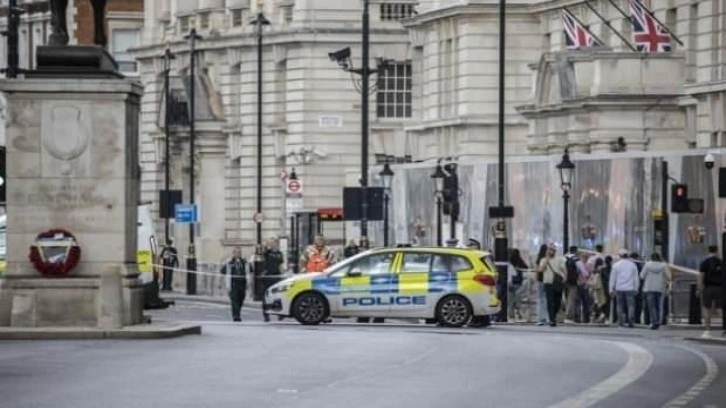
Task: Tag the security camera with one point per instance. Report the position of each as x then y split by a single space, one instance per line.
709 160
341 57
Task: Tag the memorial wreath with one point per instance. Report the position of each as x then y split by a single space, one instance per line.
55 252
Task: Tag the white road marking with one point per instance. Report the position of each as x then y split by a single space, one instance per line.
639 361
286 391
697 388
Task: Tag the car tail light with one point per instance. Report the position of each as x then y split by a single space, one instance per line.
486 280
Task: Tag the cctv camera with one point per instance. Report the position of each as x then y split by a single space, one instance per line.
709 161
341 56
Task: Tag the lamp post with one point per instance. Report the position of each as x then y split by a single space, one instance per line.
259 22
343 59
567 170
167 57
13 53
191 255
387 177
438 177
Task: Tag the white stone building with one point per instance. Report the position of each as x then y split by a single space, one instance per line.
441 101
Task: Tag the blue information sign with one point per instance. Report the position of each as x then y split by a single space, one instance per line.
185 213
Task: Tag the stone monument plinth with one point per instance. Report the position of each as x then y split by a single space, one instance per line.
72 164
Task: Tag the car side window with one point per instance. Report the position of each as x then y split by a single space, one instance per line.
450 263
375 264
415 262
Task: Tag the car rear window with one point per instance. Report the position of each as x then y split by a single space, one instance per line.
488 262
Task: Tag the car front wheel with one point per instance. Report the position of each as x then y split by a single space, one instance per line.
453 311
310 309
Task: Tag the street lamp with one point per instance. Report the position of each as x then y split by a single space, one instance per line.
167 57
438 177
259 21
567 170
342 57
193 37
387 177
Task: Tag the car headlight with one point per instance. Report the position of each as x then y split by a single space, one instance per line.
281 287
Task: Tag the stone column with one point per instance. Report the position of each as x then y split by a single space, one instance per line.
72 165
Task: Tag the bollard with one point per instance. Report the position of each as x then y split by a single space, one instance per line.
694 306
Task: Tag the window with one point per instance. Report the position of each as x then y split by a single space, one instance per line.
396 11
184 24
376 264
286 12
394 91
415 263
450 263
203 20
122 40
237 18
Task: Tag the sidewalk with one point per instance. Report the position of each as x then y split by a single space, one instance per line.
220 300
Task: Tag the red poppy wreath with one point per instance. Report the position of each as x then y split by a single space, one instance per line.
55 252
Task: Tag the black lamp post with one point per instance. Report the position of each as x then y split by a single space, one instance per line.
343 59
167 57
191 255
438 177
567 170
259 22
13 53
387 177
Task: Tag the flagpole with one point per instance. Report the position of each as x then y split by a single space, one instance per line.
610 26
672 34
585 26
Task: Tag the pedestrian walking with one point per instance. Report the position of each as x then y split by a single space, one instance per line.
639 298
593 259
654 276
624 281
516 280
584 300
554 275
710 286
574 270
235 270
598 291
542 317
610 301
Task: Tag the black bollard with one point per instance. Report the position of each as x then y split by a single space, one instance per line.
694 307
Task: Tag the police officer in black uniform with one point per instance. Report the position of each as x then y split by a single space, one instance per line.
273 260
170 260
235 270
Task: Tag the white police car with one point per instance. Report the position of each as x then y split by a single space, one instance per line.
451 285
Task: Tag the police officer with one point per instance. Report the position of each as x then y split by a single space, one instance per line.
273 260
235 271
170 260
258 268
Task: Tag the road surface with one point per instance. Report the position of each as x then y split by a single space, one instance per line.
282 364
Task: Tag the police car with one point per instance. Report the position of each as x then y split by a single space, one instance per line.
450 285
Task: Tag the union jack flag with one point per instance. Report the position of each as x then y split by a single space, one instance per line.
576 35
649 36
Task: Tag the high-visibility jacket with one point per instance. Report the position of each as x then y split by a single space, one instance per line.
317 260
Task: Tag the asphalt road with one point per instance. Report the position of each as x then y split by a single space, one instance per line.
282 364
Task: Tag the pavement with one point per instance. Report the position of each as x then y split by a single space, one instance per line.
344 364
139 332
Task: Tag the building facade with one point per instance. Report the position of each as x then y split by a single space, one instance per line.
440 99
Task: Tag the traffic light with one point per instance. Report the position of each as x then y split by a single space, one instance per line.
451 191
679 198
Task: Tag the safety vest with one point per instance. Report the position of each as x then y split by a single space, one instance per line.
317 261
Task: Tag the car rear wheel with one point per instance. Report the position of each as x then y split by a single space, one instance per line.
453 311
310 309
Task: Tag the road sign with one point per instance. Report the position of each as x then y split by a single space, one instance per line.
282 175
258 218
294 187
185 213
293 204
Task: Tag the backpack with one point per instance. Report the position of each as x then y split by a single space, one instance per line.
571 267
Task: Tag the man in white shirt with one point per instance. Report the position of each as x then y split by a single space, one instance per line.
593 259
624 282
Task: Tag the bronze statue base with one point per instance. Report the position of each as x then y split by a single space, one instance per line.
74 62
